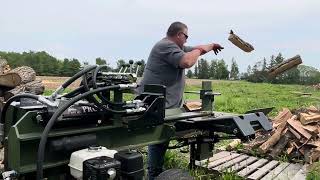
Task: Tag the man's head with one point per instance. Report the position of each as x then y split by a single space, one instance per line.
178 33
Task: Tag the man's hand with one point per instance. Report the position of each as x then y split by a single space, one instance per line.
216 48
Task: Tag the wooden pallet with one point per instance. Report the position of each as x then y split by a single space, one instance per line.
253 168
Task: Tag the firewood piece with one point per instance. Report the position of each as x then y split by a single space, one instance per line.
26 73
258 141
290 148
236 40
301 150
284 115
278 148
233 144
313 109
10 80
298 127
311 129
274 138
34 87
295 133
284 66
192 106
17 76
314 143
307 118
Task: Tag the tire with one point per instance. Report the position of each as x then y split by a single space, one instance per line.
174 174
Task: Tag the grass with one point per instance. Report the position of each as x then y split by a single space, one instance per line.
241 96
314 172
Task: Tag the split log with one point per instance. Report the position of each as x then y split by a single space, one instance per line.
290 148
295 133
284 115
233 144
26 73
17 76
34 87
236 40
311 129
192 106
284 66
314 143
278 148
313 109
307 118
296 125
274 138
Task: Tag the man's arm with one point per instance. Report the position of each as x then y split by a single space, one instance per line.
190 58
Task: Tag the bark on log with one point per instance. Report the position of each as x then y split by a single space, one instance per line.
297 126
284 115
278 148
284 66
26 73
17 76
34 87
275 137
236 40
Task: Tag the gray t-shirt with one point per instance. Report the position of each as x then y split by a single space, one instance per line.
163 68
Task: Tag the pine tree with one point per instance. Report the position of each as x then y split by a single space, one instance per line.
189 73
234 73
196 71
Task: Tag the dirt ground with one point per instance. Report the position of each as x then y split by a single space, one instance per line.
51 82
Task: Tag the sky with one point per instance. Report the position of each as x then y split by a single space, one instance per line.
127 29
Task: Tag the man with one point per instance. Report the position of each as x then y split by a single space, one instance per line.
166 63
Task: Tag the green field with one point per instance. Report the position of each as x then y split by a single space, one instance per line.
240 96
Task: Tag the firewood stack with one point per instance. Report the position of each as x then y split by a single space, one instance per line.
316 86
17 80
295 134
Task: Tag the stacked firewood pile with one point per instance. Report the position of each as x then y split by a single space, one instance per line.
295 134
17 80
316 86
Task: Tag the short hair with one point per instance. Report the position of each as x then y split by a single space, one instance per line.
175 27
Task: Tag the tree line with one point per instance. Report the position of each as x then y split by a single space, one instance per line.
46 65
257 72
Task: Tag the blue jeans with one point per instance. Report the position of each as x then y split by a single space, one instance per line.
156 154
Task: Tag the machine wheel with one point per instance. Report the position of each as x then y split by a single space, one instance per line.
174 174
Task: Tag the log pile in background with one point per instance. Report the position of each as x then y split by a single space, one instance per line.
17 80
316 86
295 134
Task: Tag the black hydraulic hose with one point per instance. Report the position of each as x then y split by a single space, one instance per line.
79 74
14 98
71 80
75 92
44 136
86 88
94 83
